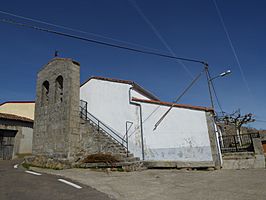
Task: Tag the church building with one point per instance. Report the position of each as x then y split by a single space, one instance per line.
105 115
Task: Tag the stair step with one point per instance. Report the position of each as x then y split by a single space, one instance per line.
110 145
124 154
130 159
127 166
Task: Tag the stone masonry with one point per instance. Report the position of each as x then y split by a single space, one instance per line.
56 125
61 138
213 140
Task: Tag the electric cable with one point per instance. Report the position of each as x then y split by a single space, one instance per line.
99 42
215 94
75 30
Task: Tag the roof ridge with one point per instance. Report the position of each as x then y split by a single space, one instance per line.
174 104
134 84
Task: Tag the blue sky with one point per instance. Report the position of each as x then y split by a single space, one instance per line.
191 28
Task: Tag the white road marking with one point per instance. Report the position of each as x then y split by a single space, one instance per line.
34 173
69 183
16 166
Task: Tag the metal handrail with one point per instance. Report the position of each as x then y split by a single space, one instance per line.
252 135
84 114
237 143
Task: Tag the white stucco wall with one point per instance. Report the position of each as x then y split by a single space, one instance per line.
138 95
182 136
109 102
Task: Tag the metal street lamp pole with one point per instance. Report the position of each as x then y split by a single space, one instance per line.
222 74
209 80
209 84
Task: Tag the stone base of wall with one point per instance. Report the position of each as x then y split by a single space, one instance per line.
44 161
243 161
179 165
119 166
57 163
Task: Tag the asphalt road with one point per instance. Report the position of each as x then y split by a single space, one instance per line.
173 184
17 184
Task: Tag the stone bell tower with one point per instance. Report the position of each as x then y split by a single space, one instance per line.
56 123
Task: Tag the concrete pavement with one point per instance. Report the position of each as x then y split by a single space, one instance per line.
16 184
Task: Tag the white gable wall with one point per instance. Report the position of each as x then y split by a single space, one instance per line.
138 95
109 102
182 136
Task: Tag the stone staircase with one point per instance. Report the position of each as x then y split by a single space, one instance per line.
97 138
108 145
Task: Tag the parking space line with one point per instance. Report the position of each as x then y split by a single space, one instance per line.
34 173
69 183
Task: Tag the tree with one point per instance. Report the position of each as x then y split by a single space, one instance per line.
237 120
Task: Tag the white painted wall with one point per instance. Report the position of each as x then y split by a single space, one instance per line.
138 95
109 102
182 136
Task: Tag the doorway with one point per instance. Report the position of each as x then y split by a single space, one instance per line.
7 138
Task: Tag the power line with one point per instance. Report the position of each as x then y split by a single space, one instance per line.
215 94
217 99
42 22
75 30
100 42
157 33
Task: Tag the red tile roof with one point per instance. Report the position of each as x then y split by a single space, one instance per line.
175 105
134 85
14 117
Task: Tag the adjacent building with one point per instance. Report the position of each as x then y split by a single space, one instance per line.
20 108
15 136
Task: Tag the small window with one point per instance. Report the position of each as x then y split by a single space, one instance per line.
59 89
45 93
